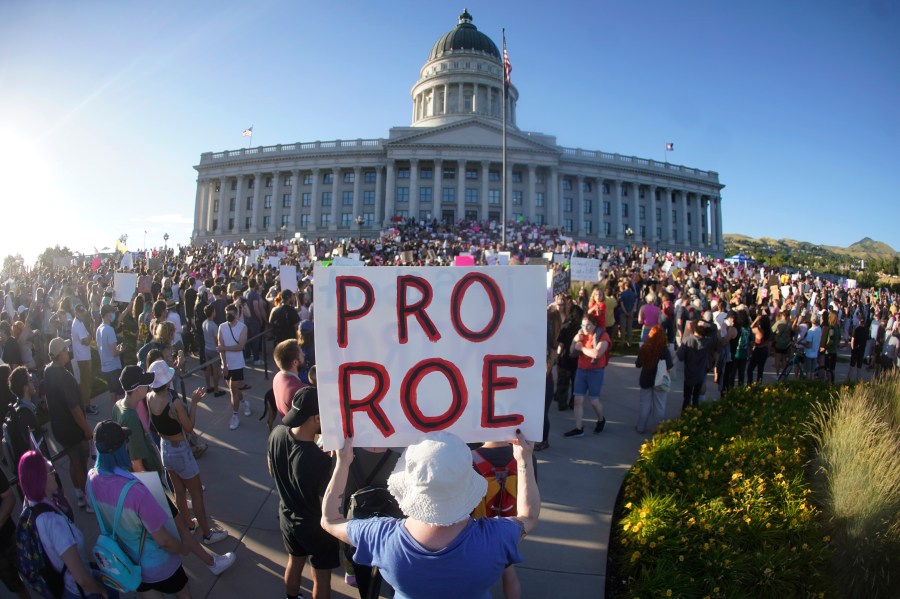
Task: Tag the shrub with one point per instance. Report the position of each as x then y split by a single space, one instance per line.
856 475
718 503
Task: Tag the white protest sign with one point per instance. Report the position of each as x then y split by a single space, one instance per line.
503 258
584 269
667 266
287 276
851 283
490 259
354 256
153 484
548 256
127 261
560 258
274 262
342 261
405 351
785 291
704 270
125 284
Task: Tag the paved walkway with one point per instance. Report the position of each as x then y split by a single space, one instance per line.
565 556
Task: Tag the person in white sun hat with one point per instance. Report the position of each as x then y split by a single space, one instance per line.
437 550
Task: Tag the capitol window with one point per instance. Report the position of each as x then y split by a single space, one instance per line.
471 196
325 219
567 204
425 195
448 195
249 203
471 173
369 198
493 196
567 184
285 220
349 177
567 223
493 175
403 173
328 178
607 208
517 198
588 206
449 173
588 227
267 221
231 205
347 198
306 199
586 186
517 177
642 211
369 177
286 200
346 219
268 181
307 179
402 194
426 173
539 199
250 183
267 201
326 198
624 210
304 220
288 180
606 190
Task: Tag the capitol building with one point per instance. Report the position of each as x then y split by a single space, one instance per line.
447 165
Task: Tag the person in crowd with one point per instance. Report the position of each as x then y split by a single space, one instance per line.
62 540
25 337
593 357
232 336
858 342
566 363
8 557
830 346
67 419
437 488
172 421
284 318
110 349
287 382
21 383
781 334
301 470
307 338
653 399
254 320
7 398
698 345
762 340
741 348
890 350
11 353
210 343
81 354
648 315
811 342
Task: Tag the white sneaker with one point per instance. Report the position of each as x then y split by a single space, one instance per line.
259 363
222 563
215 535
235 422
246 405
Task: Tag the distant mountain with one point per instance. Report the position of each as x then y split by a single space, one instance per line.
864 248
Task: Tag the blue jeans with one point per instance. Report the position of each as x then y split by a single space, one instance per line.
589 382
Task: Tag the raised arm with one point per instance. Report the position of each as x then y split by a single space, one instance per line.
528 498
332 521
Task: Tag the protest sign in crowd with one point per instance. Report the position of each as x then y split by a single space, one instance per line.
395 352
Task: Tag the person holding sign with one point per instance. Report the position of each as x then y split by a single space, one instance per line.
436 486
593 356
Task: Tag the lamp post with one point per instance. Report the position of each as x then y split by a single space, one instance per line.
359 222
166 241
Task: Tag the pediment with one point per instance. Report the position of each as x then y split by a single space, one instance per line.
469 134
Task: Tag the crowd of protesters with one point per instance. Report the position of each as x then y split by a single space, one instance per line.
212 305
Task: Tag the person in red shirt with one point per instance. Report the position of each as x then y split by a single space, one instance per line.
593 355
286 383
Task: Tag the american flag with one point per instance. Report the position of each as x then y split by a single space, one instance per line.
670 147
248 132
507 66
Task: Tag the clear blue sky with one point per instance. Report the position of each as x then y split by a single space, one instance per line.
106 106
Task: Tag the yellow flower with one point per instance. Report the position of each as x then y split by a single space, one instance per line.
736 476
652 544
826 538
668 592
681 558
628 506
635 556
716 590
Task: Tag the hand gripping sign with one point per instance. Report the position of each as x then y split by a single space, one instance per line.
401 352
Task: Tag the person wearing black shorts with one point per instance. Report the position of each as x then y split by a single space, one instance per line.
857 349
301 471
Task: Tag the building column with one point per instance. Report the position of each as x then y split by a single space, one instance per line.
529 203
223 183
665 214
198 207
485 177
719 245
579 209
634 216
210 190
277 206
617 211
389 194
652 237
295 199
239 203
460 187
357 199
336 199
414 189
379 195
552 200
682 218
315 201
697 224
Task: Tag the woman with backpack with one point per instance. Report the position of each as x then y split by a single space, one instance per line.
648 360
62 541
762 338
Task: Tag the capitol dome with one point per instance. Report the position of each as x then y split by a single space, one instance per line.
462 78
465 36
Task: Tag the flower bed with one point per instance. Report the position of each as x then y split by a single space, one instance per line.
718 504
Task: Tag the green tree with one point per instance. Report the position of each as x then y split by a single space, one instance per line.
47 256
12 263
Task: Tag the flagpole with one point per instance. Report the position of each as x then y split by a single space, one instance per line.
503 146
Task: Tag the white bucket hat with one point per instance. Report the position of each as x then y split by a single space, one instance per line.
162 373
434 480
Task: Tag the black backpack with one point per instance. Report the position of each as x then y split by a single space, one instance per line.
33 563
371 501
13 436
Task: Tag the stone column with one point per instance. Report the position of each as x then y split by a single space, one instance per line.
239 204
634 218
652 237
223 183
485 177
529 202
277 209
389 194
682 218
336 199
579 209
719 245
379 196
198 207
413 204
461 106
697 225
316 201
665 213
617 211
552 201
357 194
437 199
256 215
460 187
210 189
295 199
446 98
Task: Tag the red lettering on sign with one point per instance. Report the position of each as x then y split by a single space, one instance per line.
409 395
345 314
495 297
491 383
368 404
416 309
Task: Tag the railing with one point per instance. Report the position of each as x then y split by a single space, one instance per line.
294 148
609 157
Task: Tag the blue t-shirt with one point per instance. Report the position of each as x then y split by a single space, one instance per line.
468 567
106 338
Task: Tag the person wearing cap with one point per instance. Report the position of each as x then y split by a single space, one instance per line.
301 471
67 419
173 422
232 336
62 541
131 412
437 488
110 349
81 355
21 383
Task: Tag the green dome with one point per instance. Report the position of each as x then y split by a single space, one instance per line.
465 36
